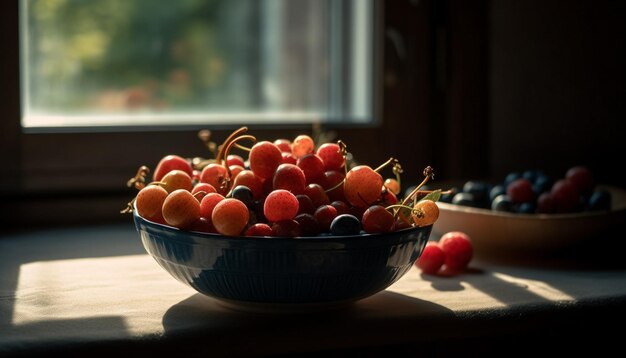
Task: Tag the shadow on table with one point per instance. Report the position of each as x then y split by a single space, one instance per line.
386 318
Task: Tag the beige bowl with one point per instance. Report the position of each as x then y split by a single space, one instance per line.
506 233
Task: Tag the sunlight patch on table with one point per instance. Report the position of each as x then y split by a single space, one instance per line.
133 287
536 287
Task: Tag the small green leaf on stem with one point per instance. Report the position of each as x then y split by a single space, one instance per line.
434 195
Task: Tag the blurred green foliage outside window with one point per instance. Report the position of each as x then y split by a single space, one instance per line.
144 62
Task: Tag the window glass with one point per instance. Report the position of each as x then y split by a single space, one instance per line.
162 62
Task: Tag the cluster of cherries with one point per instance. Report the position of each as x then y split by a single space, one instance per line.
285 188
448 256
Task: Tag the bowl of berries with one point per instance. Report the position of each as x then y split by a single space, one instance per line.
531 213
294 225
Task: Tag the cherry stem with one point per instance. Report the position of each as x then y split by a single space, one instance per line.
139 180
205 137
397 170
223 147
199 193
343 150
233 142
428 174
336 186
239 146
399 206
389 161
129 207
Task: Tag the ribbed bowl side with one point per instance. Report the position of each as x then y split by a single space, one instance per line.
284 271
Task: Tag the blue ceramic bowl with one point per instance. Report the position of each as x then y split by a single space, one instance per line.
299 270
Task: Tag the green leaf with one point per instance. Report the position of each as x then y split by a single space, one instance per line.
434 195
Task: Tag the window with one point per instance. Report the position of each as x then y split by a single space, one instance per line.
57 169
190 62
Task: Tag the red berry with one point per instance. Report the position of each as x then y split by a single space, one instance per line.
149 202
264 158
280 205
341 206
331 180
230 216
303 144
202 187
324 216
286 228
213 174
289 177
176 179
252 181
284 145
207 204
305 205
169 163
520 191
234 159
289 158
259 229
308 224
581 177
363 186
431 259
565 196
313 168
545 203
458 249
180 209
376 219
202 225
331 155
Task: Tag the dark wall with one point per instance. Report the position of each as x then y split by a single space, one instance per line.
557 86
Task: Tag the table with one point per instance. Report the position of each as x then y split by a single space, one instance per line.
82 290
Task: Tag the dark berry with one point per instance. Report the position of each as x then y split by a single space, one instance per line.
531 175
542 184
308 224
243 194
600 201
465 199
496 191
526 208
511 177
447 198
478 189
502 203
345 224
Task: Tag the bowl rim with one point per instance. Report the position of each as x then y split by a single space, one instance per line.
522 216
618 208
142 223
